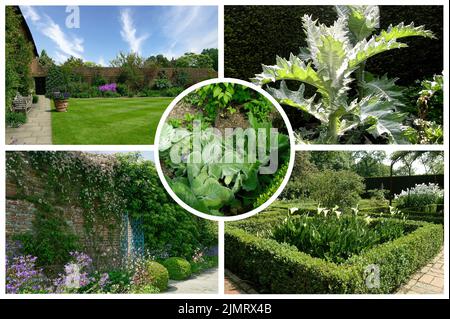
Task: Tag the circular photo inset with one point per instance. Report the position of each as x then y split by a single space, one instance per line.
224 149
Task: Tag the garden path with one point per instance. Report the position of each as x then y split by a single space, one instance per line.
205 283
234 285
428 280
37 129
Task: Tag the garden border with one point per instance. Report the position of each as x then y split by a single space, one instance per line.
289 271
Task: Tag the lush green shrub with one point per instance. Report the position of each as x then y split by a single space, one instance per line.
51 239
18 57
56 81
273 186
180 78
287 270
330 188
35 99
98 80
158 275
122 89
172 92
420 195
162 81
110 94
15 119
178 268
204 263
333 237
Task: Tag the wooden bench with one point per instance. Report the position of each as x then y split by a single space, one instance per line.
22 103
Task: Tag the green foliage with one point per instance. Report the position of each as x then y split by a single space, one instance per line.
45 60
213 54
131 70
35 99
205 263
275 183
327 63
51 239
192 60
18 57
287 270
98 80
420 196
178 268
57 81
335 237
180 78
162 81
158 276
157 61
15 119
330 188
215 184
167 227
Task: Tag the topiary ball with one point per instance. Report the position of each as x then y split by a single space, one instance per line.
179 268
158 275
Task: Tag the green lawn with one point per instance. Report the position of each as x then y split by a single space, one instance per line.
109 120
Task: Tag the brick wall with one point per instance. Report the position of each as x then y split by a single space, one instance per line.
112 74
101 243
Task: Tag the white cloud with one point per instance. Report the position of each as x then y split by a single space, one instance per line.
102 61
68 45
30 13
128 32
189 29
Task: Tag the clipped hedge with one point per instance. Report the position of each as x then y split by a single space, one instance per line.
254 35
178 268
287 270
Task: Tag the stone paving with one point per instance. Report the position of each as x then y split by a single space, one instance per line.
428 280
37 129
234 285
205 283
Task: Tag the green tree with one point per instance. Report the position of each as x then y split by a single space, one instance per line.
45 60
193 60
213 53
73 62
131 65
433 162
370 163
335 160
158 61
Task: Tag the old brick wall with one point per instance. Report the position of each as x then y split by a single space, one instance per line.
112 74
101 243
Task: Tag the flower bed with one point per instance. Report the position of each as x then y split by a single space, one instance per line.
288 270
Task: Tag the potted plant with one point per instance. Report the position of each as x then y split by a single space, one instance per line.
61 100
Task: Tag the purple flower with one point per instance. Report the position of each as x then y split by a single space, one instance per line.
108 87
104 279
22 276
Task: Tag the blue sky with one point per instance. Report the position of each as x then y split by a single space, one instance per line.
104 31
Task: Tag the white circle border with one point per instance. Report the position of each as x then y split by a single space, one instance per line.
166 184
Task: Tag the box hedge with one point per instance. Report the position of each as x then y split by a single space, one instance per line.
275 267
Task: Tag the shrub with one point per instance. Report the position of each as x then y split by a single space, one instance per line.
420 195
110 94
172 92
178 268
162 81
35 99
180 78
122 89
158 275
56 81
275 267
330 188
15 119
98 80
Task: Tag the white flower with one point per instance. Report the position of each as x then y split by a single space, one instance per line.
292 210
368 220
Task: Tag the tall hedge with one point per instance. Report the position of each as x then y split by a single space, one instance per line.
256 34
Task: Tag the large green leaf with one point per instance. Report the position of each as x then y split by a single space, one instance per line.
297 99
361 20
382 118
185 193
402 31
383 87
212 194
292 69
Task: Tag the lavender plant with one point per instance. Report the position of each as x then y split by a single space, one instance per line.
333 55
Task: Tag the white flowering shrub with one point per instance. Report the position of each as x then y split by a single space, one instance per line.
420 195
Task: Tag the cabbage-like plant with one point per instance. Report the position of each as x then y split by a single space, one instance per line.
334 55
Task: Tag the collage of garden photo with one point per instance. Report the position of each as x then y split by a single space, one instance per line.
302 152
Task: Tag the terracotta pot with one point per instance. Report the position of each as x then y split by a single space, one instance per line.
61 105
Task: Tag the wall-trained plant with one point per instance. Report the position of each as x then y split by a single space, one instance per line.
368 110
